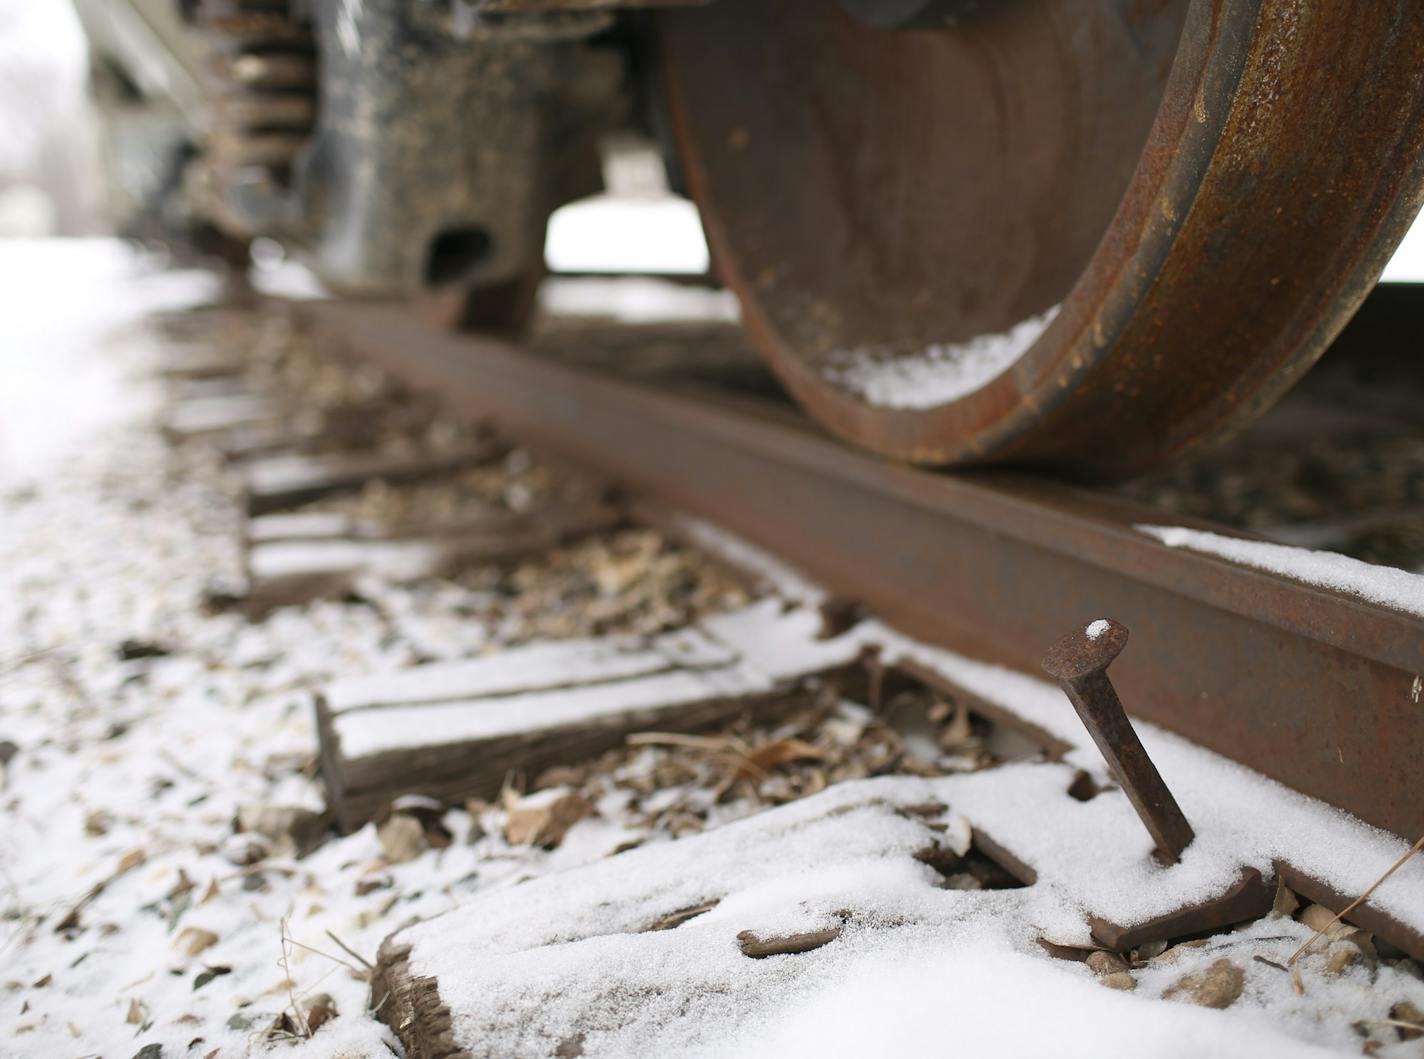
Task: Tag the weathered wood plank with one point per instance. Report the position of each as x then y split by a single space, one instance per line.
208 416
286 570
198 360
458 730
279 482
540 667
447 986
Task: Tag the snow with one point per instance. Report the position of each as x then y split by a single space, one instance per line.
276 275
60 296
610 233
917 969
939 373
393 560
1096 854
764 645
1407 263
533 966
301 525
537 667
977 996
129 774
107 535
365 733
1097 628
636 300
1385 585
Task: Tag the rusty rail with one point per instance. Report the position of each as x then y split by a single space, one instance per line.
1307 685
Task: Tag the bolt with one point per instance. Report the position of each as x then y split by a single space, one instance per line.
1079 662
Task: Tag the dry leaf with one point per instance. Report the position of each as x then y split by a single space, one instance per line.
135 1015
1411 1018
544 818
193 940
768 756
959 730
1322 920
320 1010
292 830
1286 902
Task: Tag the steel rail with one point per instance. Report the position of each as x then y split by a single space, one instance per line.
1310 686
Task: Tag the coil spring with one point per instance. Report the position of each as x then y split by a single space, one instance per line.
261 63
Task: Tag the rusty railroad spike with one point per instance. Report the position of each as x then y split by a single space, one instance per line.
1079 662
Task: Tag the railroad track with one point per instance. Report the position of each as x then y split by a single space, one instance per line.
1312 685
833 699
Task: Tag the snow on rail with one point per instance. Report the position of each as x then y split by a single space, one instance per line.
1385 585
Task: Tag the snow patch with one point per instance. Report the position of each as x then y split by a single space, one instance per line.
63 382
1385 585
939 374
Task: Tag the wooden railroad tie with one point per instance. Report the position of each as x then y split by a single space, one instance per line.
457 730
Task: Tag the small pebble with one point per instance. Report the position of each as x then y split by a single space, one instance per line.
1106 963
1216 986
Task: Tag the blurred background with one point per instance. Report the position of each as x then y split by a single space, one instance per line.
84 150
91 147
49 138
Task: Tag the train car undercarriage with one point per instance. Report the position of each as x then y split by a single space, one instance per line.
1088 236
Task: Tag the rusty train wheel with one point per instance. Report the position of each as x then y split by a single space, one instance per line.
1082 233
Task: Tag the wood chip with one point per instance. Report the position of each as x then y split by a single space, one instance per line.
758 947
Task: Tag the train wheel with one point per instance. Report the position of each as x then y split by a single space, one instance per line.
1083 233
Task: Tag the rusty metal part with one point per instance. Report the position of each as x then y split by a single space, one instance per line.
263 73
260 63
254 31
1079 662
440 152
1248 898
296 110
405 148
1366 915
1206 189
1307 685
915 14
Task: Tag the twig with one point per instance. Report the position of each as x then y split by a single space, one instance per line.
298 1018
1357 902
700 742
325 955
127 863
18 662
1397 1023
377 1007
183 770
352 952
259 869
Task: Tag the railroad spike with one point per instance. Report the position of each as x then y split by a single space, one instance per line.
1079 662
